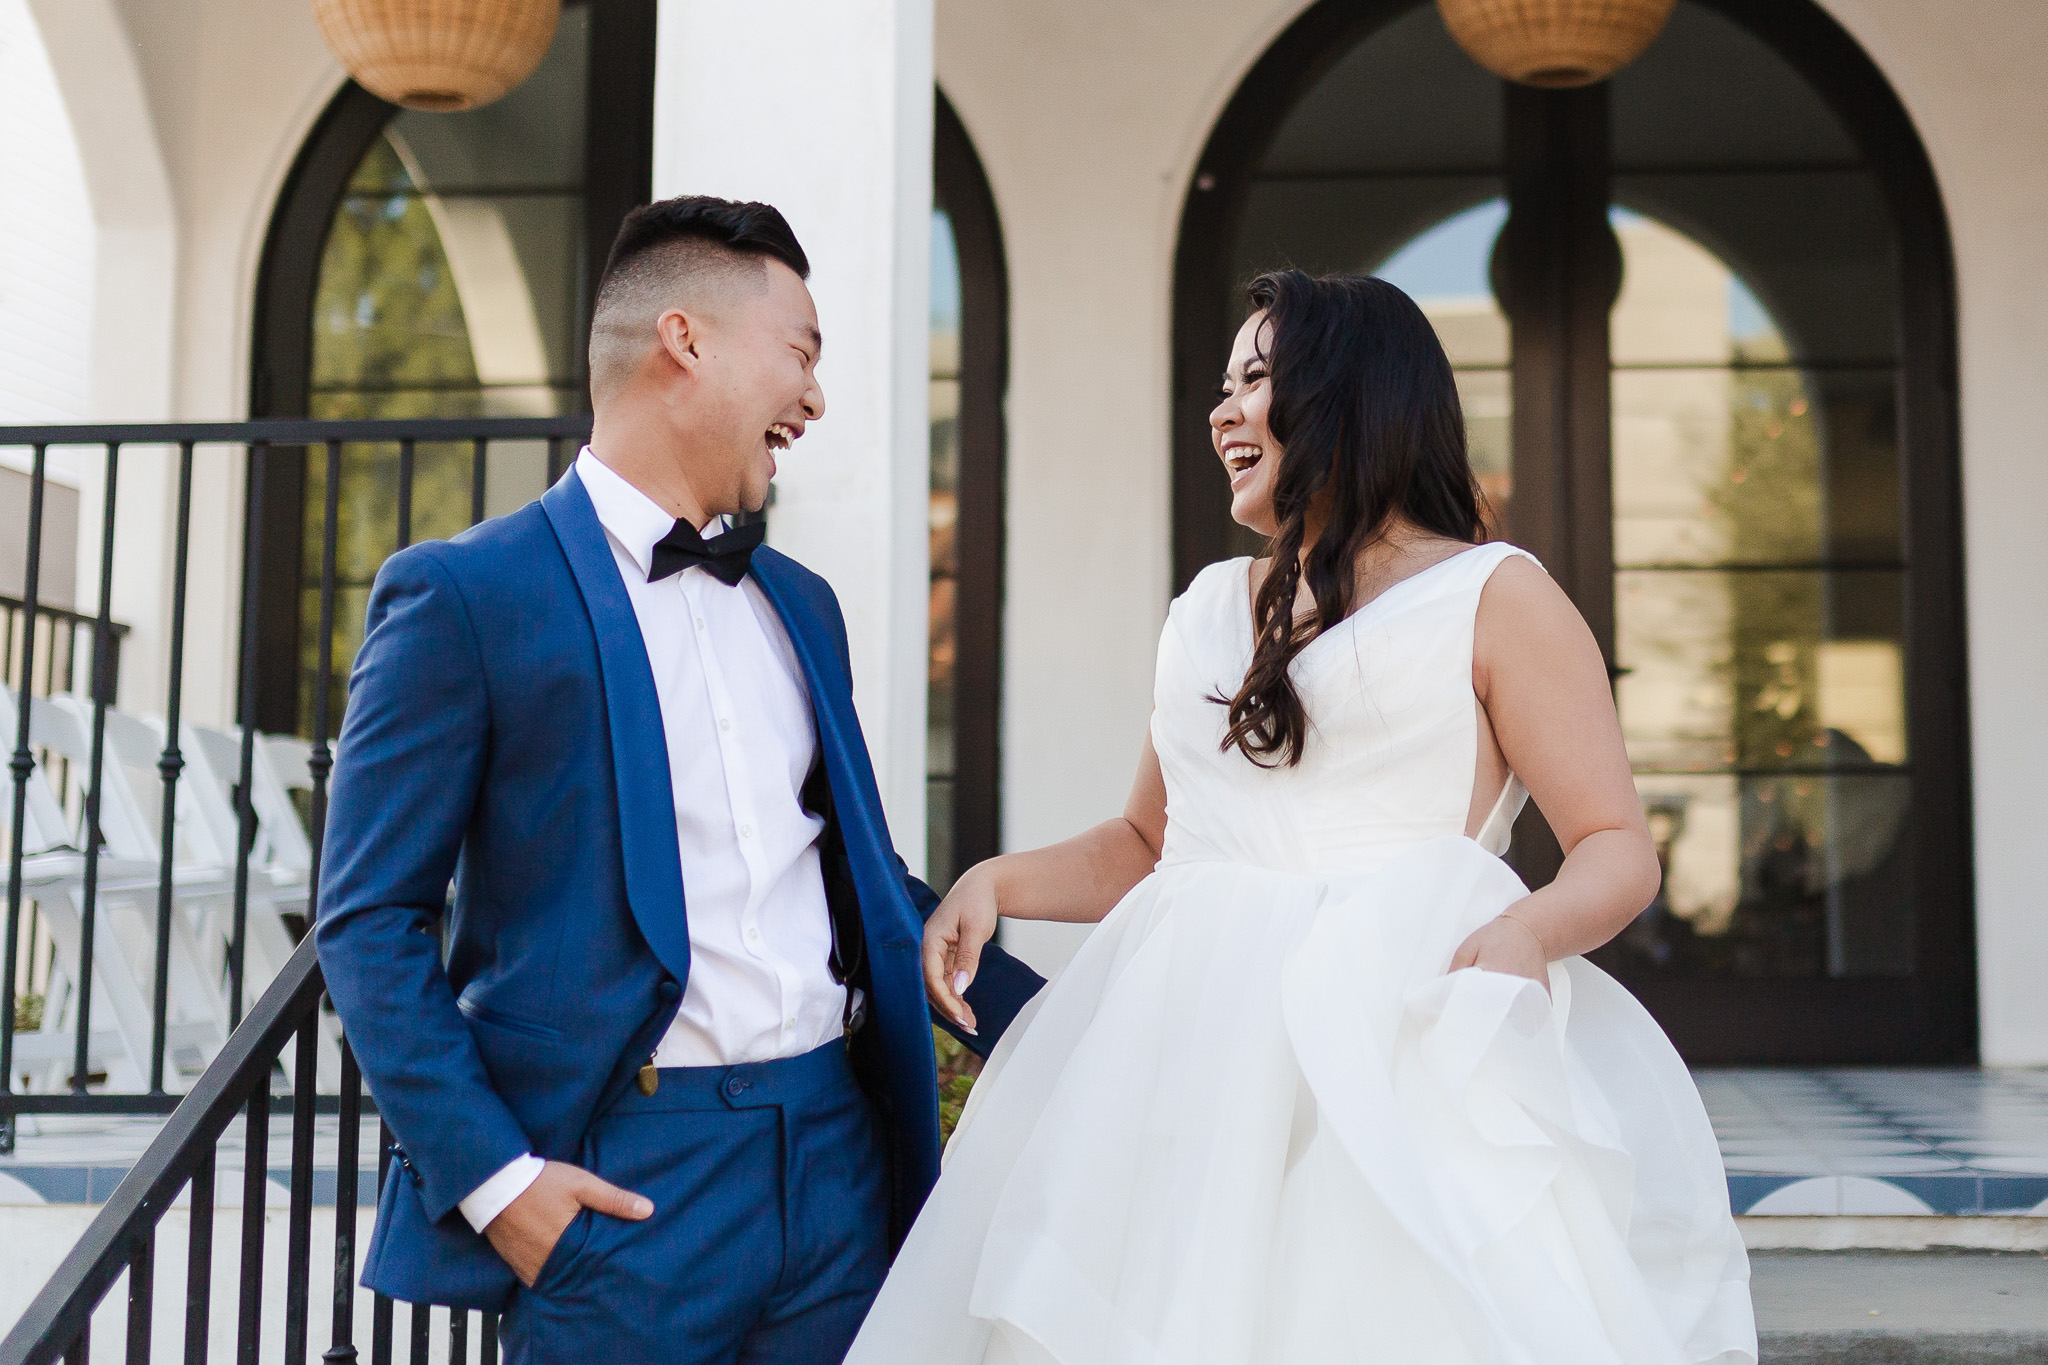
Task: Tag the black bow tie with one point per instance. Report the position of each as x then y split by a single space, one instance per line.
725 556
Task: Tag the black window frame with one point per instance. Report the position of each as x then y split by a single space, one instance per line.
961 189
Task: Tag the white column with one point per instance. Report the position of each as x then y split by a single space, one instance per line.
823 108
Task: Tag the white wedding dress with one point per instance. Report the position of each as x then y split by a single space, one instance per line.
1254 1121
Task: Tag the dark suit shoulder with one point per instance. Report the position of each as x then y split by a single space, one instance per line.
485 553
794 572
815 590
813 586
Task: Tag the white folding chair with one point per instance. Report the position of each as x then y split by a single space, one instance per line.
126 899
280 855
284 766
52 872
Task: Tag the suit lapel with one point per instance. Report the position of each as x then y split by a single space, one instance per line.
647 813
857 802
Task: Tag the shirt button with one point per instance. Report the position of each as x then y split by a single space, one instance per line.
724 724
753 935
789 1023
746 831
700 623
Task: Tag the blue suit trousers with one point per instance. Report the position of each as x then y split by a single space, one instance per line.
769 1237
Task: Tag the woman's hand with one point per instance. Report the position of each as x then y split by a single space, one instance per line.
953 940
1503 944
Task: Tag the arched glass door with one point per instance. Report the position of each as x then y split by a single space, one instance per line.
1699 316
969 372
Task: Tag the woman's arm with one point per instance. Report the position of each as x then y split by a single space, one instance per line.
1077 880
1544 685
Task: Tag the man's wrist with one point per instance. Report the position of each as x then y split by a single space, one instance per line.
484 1203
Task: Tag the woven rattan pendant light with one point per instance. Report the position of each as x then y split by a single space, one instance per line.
439 55
1554 43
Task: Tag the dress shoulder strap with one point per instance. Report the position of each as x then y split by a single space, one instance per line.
1214 594
1497 831
1478 563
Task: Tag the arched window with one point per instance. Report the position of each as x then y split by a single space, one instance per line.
970 331
1702 321
437 265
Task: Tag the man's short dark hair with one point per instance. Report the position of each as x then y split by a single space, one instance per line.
676 251
748 229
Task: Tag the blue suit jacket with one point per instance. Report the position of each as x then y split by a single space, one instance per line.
503 728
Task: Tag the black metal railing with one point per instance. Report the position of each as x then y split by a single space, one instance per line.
122 1243
76 873
72 875
63 637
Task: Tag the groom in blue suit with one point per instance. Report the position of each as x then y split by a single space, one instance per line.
661 1080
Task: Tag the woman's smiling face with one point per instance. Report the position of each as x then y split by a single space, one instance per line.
1237 428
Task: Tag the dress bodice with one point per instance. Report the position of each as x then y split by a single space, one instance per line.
1393 735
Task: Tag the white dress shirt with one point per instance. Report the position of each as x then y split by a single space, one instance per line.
741 739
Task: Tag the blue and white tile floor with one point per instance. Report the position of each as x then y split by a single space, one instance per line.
66 1159
1870 1141
1880 1141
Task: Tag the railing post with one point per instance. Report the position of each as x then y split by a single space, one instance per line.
341 1338
141 1296
298 1260
89 912
406 456
321 761
169 767
199 1260
477 445
381 1307
23 767
255 1197
245 805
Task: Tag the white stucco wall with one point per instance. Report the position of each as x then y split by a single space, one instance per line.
46 237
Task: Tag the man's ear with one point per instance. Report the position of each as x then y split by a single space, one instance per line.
680 335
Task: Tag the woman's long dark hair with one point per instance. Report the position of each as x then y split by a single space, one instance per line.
1367 417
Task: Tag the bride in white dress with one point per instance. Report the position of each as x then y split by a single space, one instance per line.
1329 1084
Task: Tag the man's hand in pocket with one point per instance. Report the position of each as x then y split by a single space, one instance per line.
528 1229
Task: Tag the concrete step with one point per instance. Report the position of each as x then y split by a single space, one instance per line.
1901 1308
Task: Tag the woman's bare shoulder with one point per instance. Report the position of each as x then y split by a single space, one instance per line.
1524 616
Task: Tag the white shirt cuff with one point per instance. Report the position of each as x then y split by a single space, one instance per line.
490 1199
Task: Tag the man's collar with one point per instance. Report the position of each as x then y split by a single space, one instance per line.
635 520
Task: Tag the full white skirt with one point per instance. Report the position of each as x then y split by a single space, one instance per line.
1255 1122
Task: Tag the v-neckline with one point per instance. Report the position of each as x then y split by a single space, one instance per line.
1244 599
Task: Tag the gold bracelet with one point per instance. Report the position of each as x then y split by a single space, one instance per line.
1541 946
